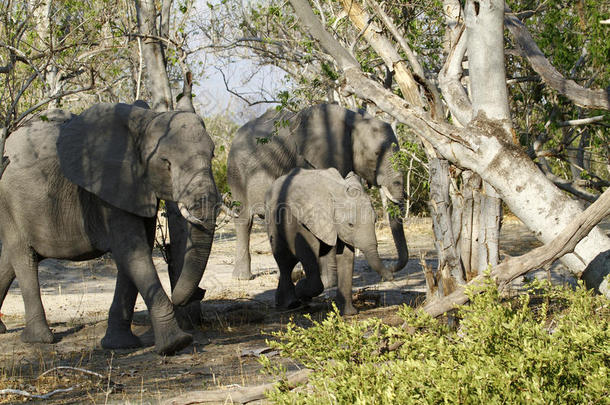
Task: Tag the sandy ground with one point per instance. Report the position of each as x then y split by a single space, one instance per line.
239 317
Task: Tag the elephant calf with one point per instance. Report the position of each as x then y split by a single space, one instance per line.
317 218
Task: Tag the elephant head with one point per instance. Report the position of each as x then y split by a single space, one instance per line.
131 157
331 207
374 145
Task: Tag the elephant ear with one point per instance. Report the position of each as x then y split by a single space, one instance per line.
311 203
99 151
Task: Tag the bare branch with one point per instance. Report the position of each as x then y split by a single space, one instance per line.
418 70
451 86
385 49
22 393
582 121
581 96
241 395
48 100
250 103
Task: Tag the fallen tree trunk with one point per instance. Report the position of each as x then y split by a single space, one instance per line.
241 395
514 267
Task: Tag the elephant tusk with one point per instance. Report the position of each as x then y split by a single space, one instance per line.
389 195
188 216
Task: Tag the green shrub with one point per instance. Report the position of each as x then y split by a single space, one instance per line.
548 346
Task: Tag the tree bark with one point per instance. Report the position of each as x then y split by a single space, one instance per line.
450 273
481 147
484 21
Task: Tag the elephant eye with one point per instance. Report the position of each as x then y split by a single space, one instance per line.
350 224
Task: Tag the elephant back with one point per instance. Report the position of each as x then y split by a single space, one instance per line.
262 144
322 134
34 143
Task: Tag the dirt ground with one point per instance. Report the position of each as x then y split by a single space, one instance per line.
239 317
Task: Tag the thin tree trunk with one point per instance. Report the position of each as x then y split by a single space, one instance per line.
152 51
485 33
41 10
449 273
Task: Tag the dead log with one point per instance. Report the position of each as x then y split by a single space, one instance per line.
514 267
241 395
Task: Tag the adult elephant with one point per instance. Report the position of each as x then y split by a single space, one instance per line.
320 137
92 184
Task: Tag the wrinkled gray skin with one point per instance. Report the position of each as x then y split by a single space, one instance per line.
316 217
77 189
322 136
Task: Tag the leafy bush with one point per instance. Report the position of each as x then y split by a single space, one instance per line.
551 345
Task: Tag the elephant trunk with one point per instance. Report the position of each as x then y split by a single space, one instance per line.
373 259
398 233
190 249
391 182
191 228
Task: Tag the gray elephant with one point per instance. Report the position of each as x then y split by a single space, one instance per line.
92 184
319 137
316 217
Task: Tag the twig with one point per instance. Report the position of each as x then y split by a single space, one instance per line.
10 391
80 370
238 395
581 121
111 384
236 94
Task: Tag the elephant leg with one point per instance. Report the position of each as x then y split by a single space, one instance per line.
132 255
25 264
285 296
328 269
7 275
345 271
310 286
118 334
243 227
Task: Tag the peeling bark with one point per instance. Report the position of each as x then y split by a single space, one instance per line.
449 273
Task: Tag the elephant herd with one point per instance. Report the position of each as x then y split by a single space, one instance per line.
79 186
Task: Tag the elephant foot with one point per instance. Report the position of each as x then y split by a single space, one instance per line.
2 327
348 310
286 301
37 334
171 340
120 339
386 275
306 289
242 273
189 316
